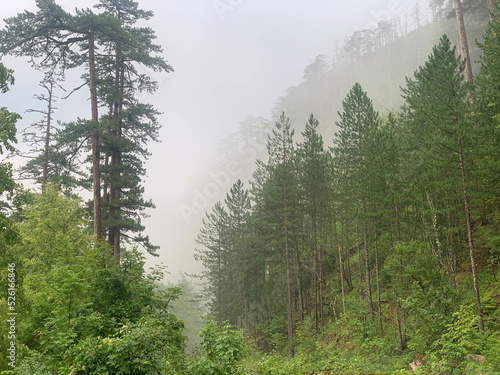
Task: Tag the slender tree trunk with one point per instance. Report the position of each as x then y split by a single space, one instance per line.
341 267
287 252
115 193
360 268
463 41
377 273
480 323
320 300
105 193
219 281
401 337
348 276
314 287
95 140
45 171
367 273
289 290
301 285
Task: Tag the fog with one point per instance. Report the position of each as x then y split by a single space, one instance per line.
232 58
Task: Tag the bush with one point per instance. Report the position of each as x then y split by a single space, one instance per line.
220 350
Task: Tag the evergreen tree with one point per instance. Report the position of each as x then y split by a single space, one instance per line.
238 205
437 107
130 124
213 237
357 123
42 164
281 197
58 39
314 182
53 36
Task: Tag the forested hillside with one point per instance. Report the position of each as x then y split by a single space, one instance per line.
381 251
367 239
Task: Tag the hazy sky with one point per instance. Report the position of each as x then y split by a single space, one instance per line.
232 58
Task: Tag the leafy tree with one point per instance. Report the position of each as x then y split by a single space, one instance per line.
220 349
150 346
7 131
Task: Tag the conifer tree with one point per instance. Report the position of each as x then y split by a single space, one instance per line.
213 237
57 39
130 124
41 165
314 182
357 122
238 206
52 37
437 106
282 197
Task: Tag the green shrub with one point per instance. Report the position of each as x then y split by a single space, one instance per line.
220 350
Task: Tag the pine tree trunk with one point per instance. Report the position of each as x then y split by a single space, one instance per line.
96 176
360 268
480 323
287 252
45 171
367 273
463 41
114 239
320 299
341 267
289 291
377 273
348 277
301 285
401 338
314 287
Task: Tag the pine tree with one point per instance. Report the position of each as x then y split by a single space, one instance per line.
357 123
213 237
437 107
282 197
57 39
130 124
53 36
40 135
238 206
315 186
487 108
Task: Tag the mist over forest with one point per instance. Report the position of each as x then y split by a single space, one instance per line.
236 187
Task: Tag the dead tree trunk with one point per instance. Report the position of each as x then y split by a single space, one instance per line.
463 41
